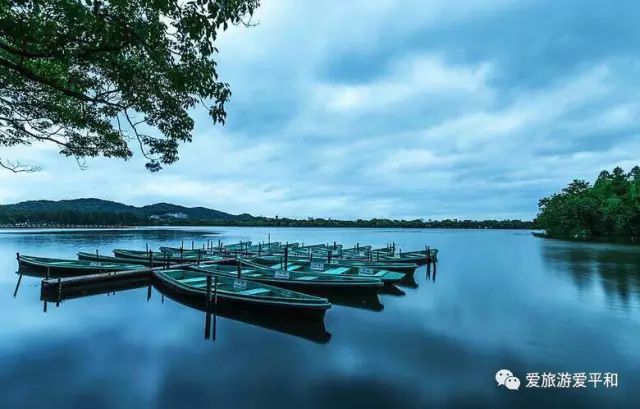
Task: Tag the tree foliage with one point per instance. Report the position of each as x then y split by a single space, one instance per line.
609 208
98 77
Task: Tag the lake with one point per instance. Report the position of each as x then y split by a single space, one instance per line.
498 300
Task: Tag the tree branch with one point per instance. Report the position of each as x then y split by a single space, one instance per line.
37 78
17 167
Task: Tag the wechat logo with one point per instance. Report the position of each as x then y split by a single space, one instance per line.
505 378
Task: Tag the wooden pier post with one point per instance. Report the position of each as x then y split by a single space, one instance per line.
286 257
147 246
208 304
192 245
329 256
59 291
148 293
239 269
428 254
215 295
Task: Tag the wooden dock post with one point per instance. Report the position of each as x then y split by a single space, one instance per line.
215 294
148 293
239 269
208 294
192 245
428 254
329 256
269 238
59 291
147 246
286 257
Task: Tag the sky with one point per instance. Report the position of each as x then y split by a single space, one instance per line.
400 109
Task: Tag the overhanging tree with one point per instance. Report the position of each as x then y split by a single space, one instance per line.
97 77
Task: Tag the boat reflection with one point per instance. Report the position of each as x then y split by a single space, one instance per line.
310 330
366 301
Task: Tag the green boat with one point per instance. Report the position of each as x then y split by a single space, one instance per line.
179 250
163 256
232 293
57 266
303 281
84 255
322 267
406 268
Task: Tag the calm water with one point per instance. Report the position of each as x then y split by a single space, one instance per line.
500 299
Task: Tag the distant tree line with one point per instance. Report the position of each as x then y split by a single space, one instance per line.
386 223
69 217
610 208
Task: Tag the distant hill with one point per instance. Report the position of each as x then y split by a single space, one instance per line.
90 205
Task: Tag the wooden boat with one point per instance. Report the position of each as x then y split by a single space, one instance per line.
178 250
84 255
163 256
295 325
321 267
406 268
237 292
57 266
303 281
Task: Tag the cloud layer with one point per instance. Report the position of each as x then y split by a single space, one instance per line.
468 109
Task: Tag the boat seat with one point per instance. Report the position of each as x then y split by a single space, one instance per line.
291 267
254 291
193 280
337 271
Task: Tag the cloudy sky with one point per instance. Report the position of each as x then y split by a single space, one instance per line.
394 108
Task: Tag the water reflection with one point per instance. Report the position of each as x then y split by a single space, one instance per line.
614 268
312 331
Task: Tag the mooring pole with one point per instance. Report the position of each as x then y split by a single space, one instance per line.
148 293
208 304
427 254
239 269
215 294
147 246
286 257
329 256
59 291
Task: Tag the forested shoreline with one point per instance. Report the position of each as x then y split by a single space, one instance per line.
75 218
608 209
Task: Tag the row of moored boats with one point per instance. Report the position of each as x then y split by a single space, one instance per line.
287 277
